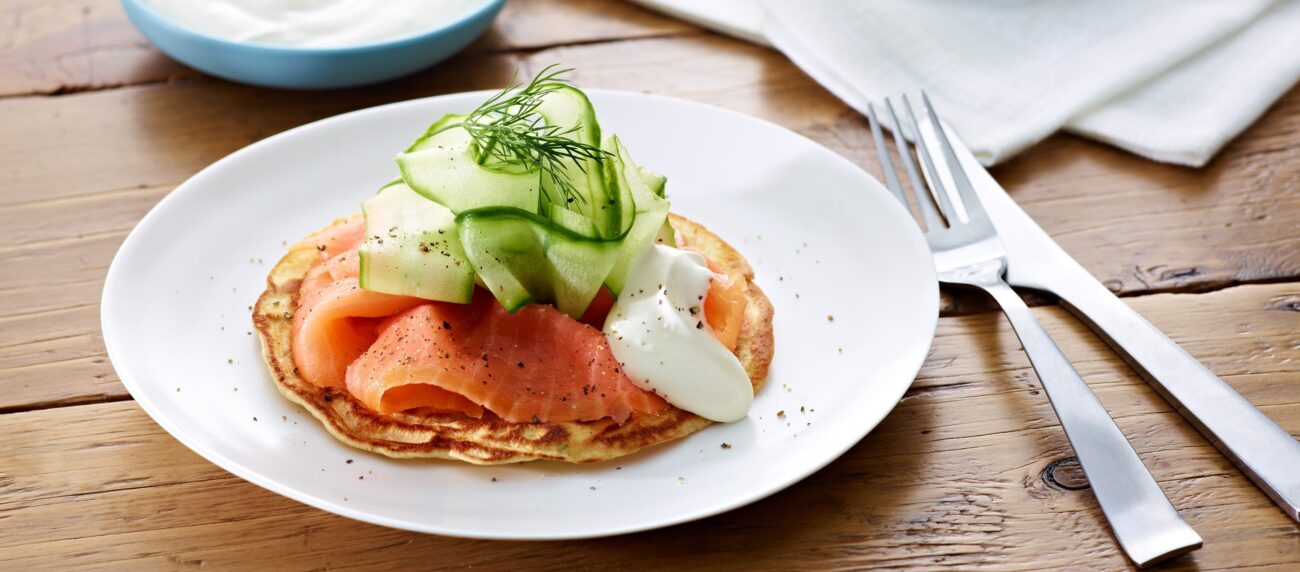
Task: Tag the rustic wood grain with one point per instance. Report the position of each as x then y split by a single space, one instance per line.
537 24
53 46
83 168
60 46
953 477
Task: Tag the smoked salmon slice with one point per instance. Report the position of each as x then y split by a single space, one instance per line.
534 365
338 238
344 265
724 303
724 308
335 322
417 395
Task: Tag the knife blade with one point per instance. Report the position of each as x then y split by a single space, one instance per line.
1265 452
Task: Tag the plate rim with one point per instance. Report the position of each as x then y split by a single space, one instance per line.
135 388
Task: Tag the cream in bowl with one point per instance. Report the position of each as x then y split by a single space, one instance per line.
313 23
311 44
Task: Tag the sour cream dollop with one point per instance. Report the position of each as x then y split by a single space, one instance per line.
657 331
312 23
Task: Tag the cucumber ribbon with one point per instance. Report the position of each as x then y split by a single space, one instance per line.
528 236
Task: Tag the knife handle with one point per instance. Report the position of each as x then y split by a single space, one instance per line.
1259 447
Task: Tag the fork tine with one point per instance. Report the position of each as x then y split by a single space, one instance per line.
891 178
974 208
919 192
936 184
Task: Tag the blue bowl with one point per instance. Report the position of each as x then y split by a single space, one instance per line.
309 68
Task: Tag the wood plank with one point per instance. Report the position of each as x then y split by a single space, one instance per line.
954 477
162 134
1170 228
538 24
54 46
60 46
62 219
49 327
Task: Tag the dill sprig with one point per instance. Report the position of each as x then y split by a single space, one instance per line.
509 133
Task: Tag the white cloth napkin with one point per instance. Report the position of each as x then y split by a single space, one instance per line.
1173 80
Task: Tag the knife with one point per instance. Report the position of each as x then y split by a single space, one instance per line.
1266 453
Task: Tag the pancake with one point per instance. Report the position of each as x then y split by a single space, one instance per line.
489 441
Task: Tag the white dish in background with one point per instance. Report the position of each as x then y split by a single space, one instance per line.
825 239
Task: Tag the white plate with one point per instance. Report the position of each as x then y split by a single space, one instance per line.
824 239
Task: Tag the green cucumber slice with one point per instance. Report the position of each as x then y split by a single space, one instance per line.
412 248
522 257
520 238
651 216
567 107
449 176
443 132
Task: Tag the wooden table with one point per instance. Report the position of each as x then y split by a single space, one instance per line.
969 470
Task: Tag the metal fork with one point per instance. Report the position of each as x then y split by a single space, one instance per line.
967 251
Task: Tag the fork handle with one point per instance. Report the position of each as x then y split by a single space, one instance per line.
1145 523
